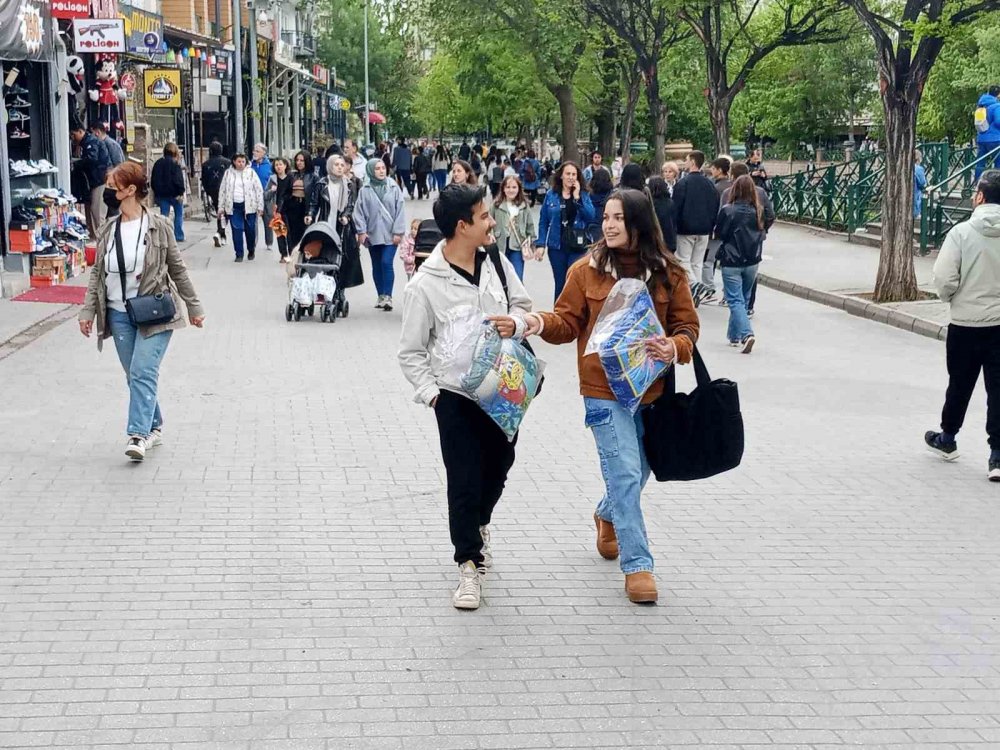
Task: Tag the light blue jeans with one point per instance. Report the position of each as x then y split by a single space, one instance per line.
738 285
140 358
618 434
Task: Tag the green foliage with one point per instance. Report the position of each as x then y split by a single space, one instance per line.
967 66
682 84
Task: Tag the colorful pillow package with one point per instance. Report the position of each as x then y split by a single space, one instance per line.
626 322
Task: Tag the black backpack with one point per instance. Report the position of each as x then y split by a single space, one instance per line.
428 236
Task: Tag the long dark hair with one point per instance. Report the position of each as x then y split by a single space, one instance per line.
307 161
745 191
644 237
557 178
471 178
439 152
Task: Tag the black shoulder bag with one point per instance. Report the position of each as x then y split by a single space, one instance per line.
144 309
694 435
494 252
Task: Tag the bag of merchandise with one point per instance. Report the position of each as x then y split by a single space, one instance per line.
503 379
626 322
302 290
457 342
324 286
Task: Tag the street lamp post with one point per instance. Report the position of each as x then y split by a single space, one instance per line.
368 114
238 76
252 51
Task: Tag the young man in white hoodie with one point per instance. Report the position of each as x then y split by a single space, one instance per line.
476 453
967 277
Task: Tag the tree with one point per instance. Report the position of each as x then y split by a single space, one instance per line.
908 39
738 34
650 28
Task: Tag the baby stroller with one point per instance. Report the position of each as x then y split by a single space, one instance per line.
428 237
317 276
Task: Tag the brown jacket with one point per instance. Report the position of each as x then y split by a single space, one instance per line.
580 303
163 269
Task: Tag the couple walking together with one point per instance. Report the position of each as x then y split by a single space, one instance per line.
476 453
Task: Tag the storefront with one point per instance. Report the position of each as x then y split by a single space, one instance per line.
38 225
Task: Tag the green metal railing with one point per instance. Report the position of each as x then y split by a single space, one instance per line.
946 203
824 196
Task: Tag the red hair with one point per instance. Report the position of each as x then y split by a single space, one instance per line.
131 173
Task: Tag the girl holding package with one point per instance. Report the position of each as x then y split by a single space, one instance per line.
632 247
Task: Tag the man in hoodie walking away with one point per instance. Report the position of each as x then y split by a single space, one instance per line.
696 206
967 277
476 453
987 122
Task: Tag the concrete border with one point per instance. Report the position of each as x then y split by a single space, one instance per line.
859 307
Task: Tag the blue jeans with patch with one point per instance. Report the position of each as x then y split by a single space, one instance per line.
738 286
618 434
140 357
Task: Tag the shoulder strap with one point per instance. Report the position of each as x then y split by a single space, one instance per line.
121 255
494 252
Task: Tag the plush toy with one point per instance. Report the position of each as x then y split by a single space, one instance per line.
107 94
74 74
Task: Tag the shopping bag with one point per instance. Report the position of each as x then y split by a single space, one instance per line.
625 324
694 435
324 286
302 290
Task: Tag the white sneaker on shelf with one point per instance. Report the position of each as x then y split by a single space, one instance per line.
484 532
135 448
470 587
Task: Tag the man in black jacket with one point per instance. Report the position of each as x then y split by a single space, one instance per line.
167 182
94 163
696 206
212 172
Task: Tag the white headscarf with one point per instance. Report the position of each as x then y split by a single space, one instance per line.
337 187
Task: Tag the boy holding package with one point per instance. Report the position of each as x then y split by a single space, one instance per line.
477 455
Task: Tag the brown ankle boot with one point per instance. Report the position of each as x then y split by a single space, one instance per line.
640 587
607 542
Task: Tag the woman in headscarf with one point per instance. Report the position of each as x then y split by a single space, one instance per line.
333 200
380 222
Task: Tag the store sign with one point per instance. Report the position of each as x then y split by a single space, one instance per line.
128 82
107 9
25 30
161 88
143 31
98 35
211 87
70 8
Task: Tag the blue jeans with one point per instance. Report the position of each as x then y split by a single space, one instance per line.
405 181
382 270
243 225
618 434
440 178
140 357
985 148
737 283
516 259
165 205
560 261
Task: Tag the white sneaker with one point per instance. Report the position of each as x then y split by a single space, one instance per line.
381 302
155 437
470 587
268 248
484 532
387 304
135 448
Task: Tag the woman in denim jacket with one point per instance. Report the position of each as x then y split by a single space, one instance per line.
562 223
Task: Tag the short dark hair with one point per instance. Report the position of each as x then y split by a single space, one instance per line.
215 148
595 153
989 186
738 170
697 157
722 164
454 204
239 156
994 90
98 127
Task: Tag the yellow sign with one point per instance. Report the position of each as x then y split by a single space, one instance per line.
345 104
161 88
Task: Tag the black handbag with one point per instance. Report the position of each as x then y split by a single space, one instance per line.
493 251
694 435
143 309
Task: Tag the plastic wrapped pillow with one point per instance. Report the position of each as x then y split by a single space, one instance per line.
302 290
456 343
503 379
627 321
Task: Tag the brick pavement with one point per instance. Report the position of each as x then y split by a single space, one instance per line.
278 574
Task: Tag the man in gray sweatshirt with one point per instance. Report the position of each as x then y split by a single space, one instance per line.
967 277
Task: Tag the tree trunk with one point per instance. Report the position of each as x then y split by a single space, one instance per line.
897 281
629 119
606 133
567 114
718 112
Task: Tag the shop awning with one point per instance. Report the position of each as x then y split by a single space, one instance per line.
199 40
376 118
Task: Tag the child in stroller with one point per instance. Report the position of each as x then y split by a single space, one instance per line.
317 276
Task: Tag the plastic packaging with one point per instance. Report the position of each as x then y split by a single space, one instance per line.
626 322
457 342
302 290
324 286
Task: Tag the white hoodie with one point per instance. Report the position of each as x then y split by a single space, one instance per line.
967 271
434 290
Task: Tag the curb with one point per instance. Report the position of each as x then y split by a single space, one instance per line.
859 307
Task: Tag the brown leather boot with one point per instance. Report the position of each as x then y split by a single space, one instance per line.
641 587
607 542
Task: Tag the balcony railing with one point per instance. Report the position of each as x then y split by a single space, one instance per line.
303 45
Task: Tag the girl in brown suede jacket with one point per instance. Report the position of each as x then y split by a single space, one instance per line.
632 247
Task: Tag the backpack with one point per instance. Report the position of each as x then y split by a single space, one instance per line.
529 172
497 174
981 119
428 236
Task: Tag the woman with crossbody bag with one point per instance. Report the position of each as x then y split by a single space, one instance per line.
562 223
380 222
133 295
515 229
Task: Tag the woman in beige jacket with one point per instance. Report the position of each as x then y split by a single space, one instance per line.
152 265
